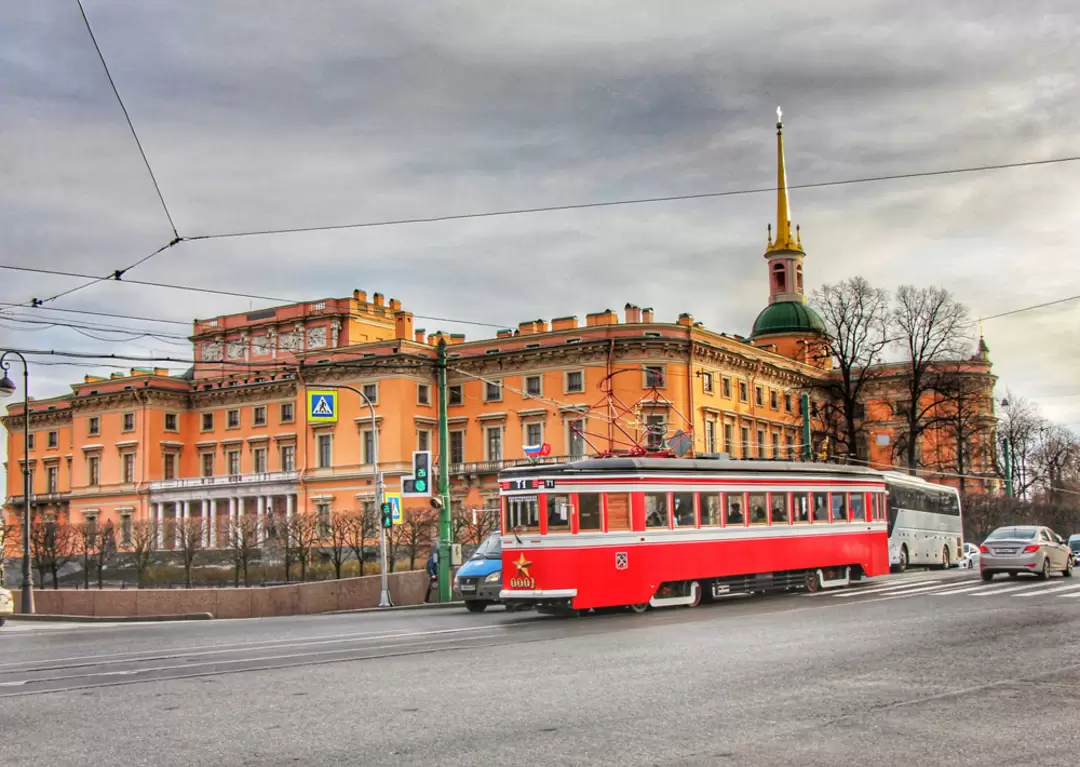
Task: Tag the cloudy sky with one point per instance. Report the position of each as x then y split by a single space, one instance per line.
260 114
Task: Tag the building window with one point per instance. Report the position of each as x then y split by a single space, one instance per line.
656 430
493 443
172 422
759 396
258 415
457 447
207 421
727 446
326 456
127 464
454 395
208 464
423 439
31 440
367 440
760 443
258 456
706 383
776 446
129 422
94 426
774 399
125 530
654 376
534 434
288 458
576 437
54 439
779 278
423 394
51 476
710 436
744 451
533 386
371 392
322 515
575 381
169 466
743 392
287 414
725 388
492 391
93 471
232 461
787 403
232 419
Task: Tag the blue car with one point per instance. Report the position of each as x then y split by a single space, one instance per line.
479 580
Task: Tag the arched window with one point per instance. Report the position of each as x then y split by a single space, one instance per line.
779 278
798 278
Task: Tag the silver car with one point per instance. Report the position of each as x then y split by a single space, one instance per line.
1024 549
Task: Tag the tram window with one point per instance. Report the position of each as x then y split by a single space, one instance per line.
558 513
857 501
588 512
656 510
779 508
821 507
758 509
523 512
683 509
839 507
735 509
801 513
710 510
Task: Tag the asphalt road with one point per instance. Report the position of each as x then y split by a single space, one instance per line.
924 668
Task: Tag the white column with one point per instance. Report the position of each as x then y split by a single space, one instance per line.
260 510
182 516
206 520
234 512
288 507
159 516
211 535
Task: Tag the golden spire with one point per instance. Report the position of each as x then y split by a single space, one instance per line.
784 240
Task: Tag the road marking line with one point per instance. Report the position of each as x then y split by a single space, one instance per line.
1070 587
1070 596
880 589
980 587
1008 589
907 593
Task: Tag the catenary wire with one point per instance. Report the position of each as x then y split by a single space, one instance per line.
91 313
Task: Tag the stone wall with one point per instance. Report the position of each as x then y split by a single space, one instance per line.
258 602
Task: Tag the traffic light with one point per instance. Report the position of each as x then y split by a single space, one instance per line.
419 484
387 515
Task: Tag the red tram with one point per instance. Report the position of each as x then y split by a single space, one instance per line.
640 532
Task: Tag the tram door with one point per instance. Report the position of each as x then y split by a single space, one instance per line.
618 512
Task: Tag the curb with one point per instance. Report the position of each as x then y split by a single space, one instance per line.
395 608
37 617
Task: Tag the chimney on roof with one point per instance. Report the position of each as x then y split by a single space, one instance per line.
403 325
647 315
633 314
161 371
540 326
526 328
457 338
686 319
379 299
564 323
504 333
418 335
360 295
395 305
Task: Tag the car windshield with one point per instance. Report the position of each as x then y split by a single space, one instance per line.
1012 532
1075 545
491 548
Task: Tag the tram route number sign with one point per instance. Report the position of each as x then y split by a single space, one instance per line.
531 484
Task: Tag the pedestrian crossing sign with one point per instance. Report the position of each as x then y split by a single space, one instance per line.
322 407
394 499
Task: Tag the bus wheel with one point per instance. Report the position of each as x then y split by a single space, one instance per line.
945 558
639 608
813 582
903 559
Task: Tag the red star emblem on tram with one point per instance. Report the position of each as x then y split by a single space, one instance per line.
522 565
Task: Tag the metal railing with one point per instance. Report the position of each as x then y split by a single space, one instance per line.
264 477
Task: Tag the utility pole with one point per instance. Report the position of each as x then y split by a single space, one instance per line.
806 451
1008 467
7 388
444 479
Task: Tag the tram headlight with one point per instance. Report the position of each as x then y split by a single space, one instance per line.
494 577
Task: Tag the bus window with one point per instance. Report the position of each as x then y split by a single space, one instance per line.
656 510
821 507
839 507
735 509
588 512
857 503
684 509
710 510
758 509
558 513
801 513
523 513
779 508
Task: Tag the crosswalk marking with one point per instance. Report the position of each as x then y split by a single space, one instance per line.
1007 589
1040 592
907 592
950 592
880 589
1070 596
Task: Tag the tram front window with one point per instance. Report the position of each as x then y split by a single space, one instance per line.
558 513
522 513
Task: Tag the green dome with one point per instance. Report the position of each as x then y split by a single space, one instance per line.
788 317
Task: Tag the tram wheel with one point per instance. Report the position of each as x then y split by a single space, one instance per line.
813 582
695 594
639 608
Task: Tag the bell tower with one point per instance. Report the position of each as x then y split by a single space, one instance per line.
784 254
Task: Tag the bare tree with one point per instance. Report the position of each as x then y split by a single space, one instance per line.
932 330
965 422
243 543
106 549
144 537
52 545
474 525
1055 455
8 533
337 541
191 533
304 529
415 533
857 323
1018 429
363 530
85 541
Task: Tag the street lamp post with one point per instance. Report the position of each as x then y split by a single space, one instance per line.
384 592
7 388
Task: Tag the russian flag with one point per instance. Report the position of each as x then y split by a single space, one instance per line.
536 451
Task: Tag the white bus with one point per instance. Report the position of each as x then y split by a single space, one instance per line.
925 523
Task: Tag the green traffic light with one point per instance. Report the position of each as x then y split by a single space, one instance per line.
421 486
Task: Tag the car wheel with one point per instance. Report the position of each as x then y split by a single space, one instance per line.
1068 568
3 620
476 605
987 575
1044 573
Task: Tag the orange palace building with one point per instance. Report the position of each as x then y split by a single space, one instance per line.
231 435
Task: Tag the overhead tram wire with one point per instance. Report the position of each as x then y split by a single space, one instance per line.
1030 308
90 313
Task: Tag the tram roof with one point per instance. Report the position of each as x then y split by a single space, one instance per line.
684 466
